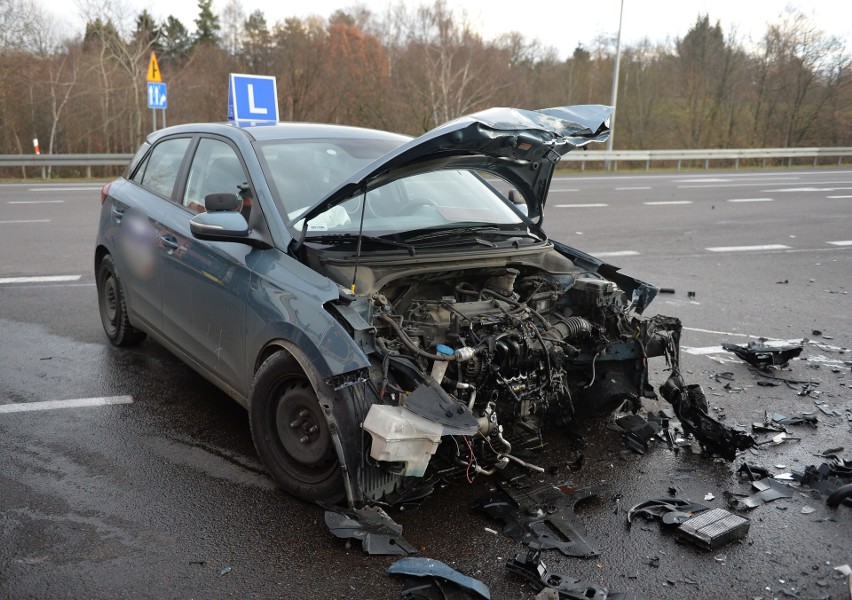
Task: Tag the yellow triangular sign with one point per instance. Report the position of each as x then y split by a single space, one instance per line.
154 70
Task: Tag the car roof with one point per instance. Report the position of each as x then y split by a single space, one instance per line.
281 131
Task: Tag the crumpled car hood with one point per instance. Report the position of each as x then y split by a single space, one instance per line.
520 146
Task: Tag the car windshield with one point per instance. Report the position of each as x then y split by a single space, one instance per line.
304 172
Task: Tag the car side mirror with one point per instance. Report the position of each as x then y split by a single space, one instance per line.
222 202
225 226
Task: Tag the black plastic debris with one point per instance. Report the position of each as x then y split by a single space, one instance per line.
671 511
753 472
379 534
639 431
531 568
438 574
714 528
842 495
667 290
767 490
690 406
763 356
699 524
776 422
542 518
833 479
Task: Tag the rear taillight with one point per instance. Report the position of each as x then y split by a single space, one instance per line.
105 192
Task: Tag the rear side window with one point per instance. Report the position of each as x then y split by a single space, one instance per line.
159 171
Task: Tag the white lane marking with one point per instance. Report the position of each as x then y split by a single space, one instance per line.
667 202
809 189
719 332
616 253
752 184
841 243
54 404
40 279
581 205
566 190
706 180
748 248
750 200
783 175
837 197
64 189
637 187
36 201
25 221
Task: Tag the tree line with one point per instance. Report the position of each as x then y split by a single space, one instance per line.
410 69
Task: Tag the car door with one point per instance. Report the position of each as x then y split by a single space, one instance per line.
136 211
205 283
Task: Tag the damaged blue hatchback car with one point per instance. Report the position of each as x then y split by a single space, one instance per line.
385 308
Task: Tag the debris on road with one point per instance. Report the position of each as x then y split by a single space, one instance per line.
378 533
832 479
762 355
699 524
671 511
438 572
690 406
542 518
714 528
639 431
531 568
768 489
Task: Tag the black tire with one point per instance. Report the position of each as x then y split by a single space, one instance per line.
290 432
113 307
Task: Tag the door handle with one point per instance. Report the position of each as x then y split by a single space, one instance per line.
117 213
170 243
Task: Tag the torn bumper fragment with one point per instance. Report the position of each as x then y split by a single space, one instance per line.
690 406
763 355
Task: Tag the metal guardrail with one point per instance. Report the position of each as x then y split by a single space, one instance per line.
612 157
680 156
65 160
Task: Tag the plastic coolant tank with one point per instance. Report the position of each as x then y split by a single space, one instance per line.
401 436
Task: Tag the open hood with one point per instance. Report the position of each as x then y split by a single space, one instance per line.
520 146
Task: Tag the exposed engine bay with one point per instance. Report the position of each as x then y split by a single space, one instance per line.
465 361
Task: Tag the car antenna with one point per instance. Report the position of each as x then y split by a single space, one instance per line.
360 232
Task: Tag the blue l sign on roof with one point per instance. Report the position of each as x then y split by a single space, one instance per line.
252 99
157 95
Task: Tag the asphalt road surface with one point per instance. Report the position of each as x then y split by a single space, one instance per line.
152 488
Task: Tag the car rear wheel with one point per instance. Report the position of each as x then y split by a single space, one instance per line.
113 308
290 431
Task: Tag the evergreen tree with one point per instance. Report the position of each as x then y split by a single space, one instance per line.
207 25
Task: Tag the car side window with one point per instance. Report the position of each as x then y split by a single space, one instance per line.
159 171
215 170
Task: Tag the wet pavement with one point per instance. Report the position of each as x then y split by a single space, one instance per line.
165 497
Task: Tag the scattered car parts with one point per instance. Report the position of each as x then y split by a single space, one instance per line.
768 489
435 570
699 524
763 355
378 533
690 406
531 568
714 528
543 518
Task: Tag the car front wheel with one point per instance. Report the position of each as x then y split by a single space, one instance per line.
113 307
290 431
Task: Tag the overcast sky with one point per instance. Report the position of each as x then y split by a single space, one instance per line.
561 23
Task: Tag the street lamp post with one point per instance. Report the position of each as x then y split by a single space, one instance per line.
615 82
